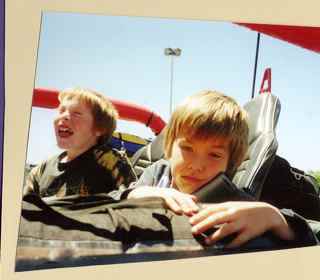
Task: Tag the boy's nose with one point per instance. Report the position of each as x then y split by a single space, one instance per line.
198 164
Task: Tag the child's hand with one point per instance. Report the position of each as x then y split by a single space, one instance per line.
178 202
248 219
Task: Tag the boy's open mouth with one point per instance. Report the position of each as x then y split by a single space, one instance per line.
64 132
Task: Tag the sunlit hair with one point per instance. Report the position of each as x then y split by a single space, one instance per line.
210 114
104 114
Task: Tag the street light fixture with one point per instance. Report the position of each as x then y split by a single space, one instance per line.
172 53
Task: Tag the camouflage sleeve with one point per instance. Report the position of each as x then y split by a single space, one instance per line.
122 171
31 184
126 174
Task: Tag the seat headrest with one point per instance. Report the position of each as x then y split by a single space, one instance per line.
263 113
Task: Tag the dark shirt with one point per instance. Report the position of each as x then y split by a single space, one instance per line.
101 169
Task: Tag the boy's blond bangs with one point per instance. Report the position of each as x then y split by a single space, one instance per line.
104 114
210 114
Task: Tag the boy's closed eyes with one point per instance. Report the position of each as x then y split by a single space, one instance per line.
216 152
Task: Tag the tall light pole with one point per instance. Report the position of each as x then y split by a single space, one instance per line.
255 66
172 53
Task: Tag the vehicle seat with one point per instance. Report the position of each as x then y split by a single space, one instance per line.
263 113
148 154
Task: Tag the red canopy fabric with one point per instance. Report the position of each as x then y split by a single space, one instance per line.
304 36
48 98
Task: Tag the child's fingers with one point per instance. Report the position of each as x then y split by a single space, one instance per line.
179 202
208 222
207 211
173 205
211 220
184 206
241 239
191 203
223 231
194 198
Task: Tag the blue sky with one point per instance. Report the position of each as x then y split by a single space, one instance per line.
123 57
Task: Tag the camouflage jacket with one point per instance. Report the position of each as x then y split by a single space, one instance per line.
101 169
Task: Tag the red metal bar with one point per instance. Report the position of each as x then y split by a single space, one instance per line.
48 98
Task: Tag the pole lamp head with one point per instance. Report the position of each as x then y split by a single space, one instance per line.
173 52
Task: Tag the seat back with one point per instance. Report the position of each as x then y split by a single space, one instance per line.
148 154
263 112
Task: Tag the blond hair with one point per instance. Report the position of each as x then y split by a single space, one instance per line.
104 114
207 114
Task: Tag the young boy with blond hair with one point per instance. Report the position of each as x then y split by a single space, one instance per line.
206 135
83 126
